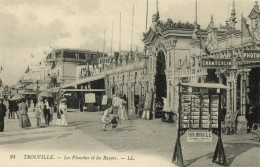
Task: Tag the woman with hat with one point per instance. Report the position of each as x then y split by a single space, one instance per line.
2 114
24 119
63 112
40 119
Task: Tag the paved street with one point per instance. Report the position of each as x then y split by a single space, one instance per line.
149 143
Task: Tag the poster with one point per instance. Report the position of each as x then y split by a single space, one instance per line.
90 98
104 100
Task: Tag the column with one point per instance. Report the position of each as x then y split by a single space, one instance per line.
228 103
241 120
168 94
175 95
235 94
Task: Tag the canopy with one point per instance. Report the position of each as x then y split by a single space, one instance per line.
17 97
206 85
27 92
88 79
46 93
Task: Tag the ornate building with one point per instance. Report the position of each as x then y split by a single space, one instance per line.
177 52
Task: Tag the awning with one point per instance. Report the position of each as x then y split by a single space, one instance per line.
206 85
83 90
28 92
88 79
29 87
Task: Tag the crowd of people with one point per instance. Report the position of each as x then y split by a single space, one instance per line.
44 113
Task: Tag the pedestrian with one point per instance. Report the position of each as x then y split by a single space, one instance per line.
51 112
105 118
2 114
58 121
11 113
250 118
122 109
63 112
40 122
15 108
38 117
47 114
34 102
23 111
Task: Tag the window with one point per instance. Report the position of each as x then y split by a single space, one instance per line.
170 59
53 55
77 55
151 63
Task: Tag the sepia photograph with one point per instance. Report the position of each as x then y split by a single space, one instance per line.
112 83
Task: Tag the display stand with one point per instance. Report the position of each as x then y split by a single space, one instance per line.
206 106
177 154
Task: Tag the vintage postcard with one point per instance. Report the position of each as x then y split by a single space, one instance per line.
156 83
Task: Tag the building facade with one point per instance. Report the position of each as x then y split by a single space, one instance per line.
183 52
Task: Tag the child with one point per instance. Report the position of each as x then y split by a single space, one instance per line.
115 121
105 118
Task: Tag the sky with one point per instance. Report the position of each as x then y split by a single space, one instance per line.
32 27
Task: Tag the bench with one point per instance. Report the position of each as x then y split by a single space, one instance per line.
256 131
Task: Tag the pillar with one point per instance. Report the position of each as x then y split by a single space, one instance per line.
228 102
241 120
168 93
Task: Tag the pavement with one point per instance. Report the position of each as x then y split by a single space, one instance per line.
136 142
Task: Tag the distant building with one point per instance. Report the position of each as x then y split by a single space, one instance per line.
57 69
61 63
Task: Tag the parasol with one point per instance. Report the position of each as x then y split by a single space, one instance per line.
46 93
18 97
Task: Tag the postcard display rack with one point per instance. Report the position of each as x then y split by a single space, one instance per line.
198 111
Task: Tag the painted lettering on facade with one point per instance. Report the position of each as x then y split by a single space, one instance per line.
251 55
250 58
216 62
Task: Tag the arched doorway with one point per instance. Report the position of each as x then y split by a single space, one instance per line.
160 78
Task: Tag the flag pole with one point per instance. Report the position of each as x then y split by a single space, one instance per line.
132 29
112 38
146 15
104 43
196 21
120 35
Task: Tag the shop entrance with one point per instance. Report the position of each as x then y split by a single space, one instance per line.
254 88
160 79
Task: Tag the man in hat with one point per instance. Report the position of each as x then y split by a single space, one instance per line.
2 114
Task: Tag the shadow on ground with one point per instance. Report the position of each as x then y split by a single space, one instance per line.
232 150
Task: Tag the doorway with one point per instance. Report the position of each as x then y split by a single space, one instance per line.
254 94
160 79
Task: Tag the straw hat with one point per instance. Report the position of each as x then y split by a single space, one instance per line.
63 100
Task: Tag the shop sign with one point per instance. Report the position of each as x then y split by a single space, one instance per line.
90 98
251 57
199 136
207 62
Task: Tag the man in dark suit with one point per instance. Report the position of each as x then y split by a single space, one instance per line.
2 114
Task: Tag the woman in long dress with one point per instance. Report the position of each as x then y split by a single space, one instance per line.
40 120
122 108
63 112
24 119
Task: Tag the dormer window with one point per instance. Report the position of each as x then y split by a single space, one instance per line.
86 56
53 55
77 56
253 23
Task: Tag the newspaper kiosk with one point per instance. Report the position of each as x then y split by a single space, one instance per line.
199 109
